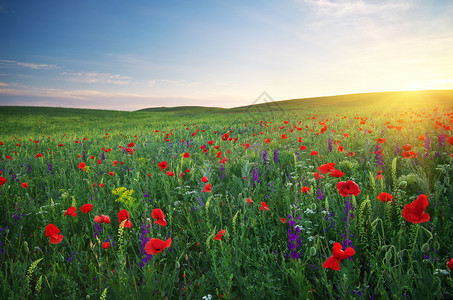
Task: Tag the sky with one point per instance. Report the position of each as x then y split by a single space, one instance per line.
129 55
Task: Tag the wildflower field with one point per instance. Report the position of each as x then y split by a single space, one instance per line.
351 202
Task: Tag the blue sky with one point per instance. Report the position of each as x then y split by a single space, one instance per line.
137 54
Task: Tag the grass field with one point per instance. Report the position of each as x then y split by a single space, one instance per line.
254 200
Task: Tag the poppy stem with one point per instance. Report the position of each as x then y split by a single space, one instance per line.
414 243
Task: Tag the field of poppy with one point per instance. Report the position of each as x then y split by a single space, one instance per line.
310 202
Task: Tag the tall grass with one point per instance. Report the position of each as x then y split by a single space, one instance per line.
257 257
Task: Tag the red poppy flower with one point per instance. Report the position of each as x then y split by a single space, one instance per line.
101 185
324 169
249 200
186 155
284 221
450 140
159 215
385 197
112 173
316 174
336 173
264 206
86 208
71 212
379 175
102 219
314 153
154 246
415 212
450 264
284 136
162 165
204 179
105 245
406 154
225 136
39 155
2 180
115 162
338 255
219 235
267 141
207 188
407 147
380 141
302 147
169 173
81 165
124 215
52 232
305 189
24 185
347 189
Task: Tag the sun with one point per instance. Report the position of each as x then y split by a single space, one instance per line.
418 86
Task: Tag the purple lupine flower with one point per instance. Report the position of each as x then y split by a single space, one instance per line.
14 176
442 139
276 156
255 176
293 238
143 240
97 229
427 143
330 144
49 168
379 157
347 219
320 193
397 149
264 156
222 172
103 155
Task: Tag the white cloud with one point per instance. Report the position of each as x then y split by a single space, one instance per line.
12 63
154 82
343 8
3 84
96 77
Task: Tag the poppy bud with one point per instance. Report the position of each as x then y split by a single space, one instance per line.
436 246
26 250
425 247
312 251
388 255
402 184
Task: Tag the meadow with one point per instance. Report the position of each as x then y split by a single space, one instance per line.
338 199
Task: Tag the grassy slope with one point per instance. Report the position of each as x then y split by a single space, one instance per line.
409 98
